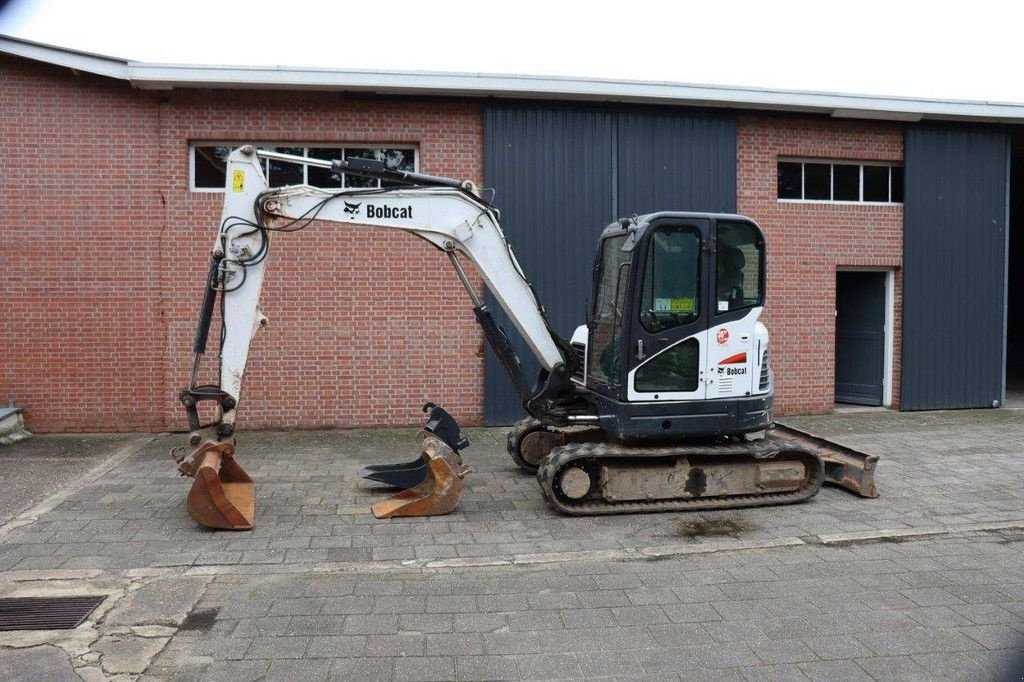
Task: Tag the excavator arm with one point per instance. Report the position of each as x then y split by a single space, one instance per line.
450 214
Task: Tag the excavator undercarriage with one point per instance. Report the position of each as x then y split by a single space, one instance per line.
580 473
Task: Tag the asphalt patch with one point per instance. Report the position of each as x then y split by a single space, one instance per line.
713 527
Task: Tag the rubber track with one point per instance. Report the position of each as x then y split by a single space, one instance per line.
518 430
766 449
524 426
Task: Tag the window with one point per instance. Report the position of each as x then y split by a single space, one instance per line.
208 163
879 183
671 293
674 370
740 264
605 354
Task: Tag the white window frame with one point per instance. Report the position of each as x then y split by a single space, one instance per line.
303 145
831 179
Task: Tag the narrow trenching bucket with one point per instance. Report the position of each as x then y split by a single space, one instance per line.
223 495
404 475
437 494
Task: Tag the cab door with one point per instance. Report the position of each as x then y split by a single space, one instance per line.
735 305
667 347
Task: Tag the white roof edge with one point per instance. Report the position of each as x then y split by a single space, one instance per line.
167 76
102 65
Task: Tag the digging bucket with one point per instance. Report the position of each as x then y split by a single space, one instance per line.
439 492
222 495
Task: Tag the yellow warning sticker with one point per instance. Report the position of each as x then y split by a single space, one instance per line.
682 305
238 181
675 305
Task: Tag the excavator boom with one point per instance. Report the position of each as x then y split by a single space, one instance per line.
449 214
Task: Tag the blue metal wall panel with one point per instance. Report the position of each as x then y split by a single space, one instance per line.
551 169
673 162
562 173
954 267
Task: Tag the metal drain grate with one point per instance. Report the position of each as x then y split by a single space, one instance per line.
46 613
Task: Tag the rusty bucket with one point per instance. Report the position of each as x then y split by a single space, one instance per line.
439 492
222 495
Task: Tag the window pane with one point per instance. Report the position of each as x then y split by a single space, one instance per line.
740 261
817 180
789 180
674 370
210 164
324 177
356 153
876 183
398 159
845 182
605 355
282 173
897 184
672 279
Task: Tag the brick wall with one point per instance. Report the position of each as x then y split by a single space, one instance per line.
807 243
103 249
104 256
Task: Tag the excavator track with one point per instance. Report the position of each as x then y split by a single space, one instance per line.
584 479
530 441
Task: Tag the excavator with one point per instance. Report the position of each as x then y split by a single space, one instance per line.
662 401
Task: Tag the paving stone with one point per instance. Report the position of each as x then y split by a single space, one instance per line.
549 667
128 654
894 668
783 651
835 671
486 668
425 668
236 671
278 647
774 673
345 669
291 670
36 663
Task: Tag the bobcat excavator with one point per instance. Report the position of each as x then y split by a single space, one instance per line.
663 401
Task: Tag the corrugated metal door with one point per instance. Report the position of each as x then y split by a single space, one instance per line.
673 162
563 173
954 257
551 169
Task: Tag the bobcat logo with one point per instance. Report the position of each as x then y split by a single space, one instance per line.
352 209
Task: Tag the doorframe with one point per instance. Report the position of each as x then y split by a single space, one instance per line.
890 322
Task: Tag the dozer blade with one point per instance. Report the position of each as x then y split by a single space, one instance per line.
223 495
437 494
405 475
844 467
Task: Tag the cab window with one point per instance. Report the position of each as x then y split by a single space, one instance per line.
740 270
671 286
606 328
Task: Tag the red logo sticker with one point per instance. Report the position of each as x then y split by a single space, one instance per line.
723 336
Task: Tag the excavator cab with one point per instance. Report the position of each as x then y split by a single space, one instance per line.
675 325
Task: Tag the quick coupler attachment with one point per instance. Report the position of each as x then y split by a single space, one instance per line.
433 483
441 425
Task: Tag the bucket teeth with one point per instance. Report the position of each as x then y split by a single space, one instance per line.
405 475
439 491
222 495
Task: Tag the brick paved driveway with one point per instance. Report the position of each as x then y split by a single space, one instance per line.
927 581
